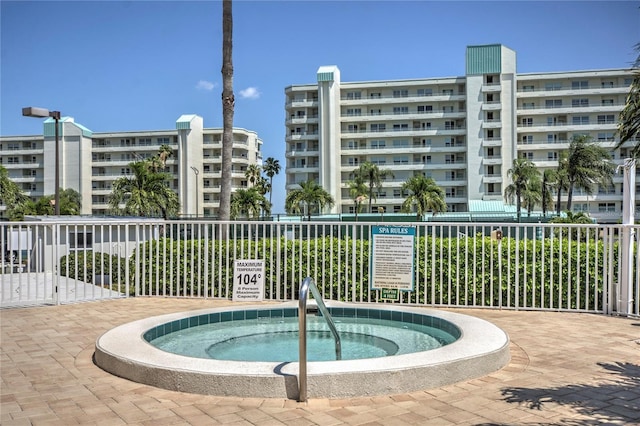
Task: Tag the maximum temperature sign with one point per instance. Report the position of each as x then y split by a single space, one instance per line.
248 280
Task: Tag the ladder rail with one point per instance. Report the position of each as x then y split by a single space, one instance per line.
309 285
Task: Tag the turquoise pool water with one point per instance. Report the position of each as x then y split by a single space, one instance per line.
275 339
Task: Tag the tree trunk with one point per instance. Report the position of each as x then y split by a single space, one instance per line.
228 102
569 196
559 202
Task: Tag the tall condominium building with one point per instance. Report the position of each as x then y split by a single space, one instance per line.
91 161
464 132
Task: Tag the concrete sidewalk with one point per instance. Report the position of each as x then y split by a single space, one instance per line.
566 369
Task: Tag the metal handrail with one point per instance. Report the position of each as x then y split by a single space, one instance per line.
307 284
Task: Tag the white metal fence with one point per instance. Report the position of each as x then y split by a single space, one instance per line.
533 266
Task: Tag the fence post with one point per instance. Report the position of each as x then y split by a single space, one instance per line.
625 300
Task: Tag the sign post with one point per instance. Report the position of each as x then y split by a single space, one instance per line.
248 280
392 260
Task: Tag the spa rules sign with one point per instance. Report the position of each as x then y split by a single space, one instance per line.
248 280
392 257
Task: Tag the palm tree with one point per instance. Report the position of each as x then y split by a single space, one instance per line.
523 176
561 180
629 122
271 168
70 203
546 189
532 195
425 194
309 194
228 103
373 177
159 162
253 174
587 164
249 202
358 193
146 193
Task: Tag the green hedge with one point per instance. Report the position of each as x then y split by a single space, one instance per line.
85 265
171 267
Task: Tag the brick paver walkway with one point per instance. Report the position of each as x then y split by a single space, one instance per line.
566 369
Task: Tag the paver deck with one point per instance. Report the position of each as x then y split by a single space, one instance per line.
566 369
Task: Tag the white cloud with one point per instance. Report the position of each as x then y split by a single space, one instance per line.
205 85
250 93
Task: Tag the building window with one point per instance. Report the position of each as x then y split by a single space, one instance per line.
401 143
553 86
578 85
581 120
606 119
528 105
378 144
607 102
605 137
378 127
375 112
527 139
449 125
425 92
527 155
447 91
552 155
376 95
401 110
353 112
427 159
400 127
552 138
403 93
425 108
80 240
579 102
553 103
528 88
527 122
607 84
401 160
354 95
606 207
379 160
352 128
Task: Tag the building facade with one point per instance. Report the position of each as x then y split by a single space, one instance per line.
464 132
90 162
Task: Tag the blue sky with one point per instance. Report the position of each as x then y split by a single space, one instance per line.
139 65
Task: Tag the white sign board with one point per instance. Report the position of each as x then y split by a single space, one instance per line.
392 257
248 280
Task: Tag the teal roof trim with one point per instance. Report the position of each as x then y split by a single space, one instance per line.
184 122
85 132
484 59
325 76
50 128
482 206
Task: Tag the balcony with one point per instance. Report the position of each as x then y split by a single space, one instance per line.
492 142
492 160
491 106
491 88
492 124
